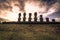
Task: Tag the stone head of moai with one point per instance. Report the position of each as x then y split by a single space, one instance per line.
41 16
47 19
35 14
19 14
24 14
53 20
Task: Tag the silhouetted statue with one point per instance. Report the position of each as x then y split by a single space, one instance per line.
35 17
19 18
53 20
24 17
41 18
29 17
47 19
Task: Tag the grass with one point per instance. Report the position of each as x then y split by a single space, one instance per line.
29 32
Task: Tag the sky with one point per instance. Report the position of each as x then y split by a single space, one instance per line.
9 9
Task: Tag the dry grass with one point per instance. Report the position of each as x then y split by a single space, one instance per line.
29 32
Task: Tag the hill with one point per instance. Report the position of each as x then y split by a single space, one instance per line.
4 20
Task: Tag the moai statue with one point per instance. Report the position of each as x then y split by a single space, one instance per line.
53 20
19 18
29 17
47 19
35 17
41 18
24 17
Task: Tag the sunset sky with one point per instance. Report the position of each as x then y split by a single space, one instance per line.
9 9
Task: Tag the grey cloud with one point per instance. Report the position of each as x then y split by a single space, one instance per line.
2 1
22 4
54 15
49 2
4 6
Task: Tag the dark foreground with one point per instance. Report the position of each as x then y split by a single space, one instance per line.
29 31
30 23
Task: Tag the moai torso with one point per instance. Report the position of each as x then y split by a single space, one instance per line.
35 17
24 17
29 17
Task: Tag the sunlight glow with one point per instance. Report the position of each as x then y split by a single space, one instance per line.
13 15
29 8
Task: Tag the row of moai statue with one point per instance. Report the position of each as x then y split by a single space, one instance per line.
35 18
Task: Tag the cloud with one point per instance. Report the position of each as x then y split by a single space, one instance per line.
49 2
2 1
57 19
22 4
38 6
6 4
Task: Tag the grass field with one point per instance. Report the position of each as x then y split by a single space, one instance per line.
29 31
